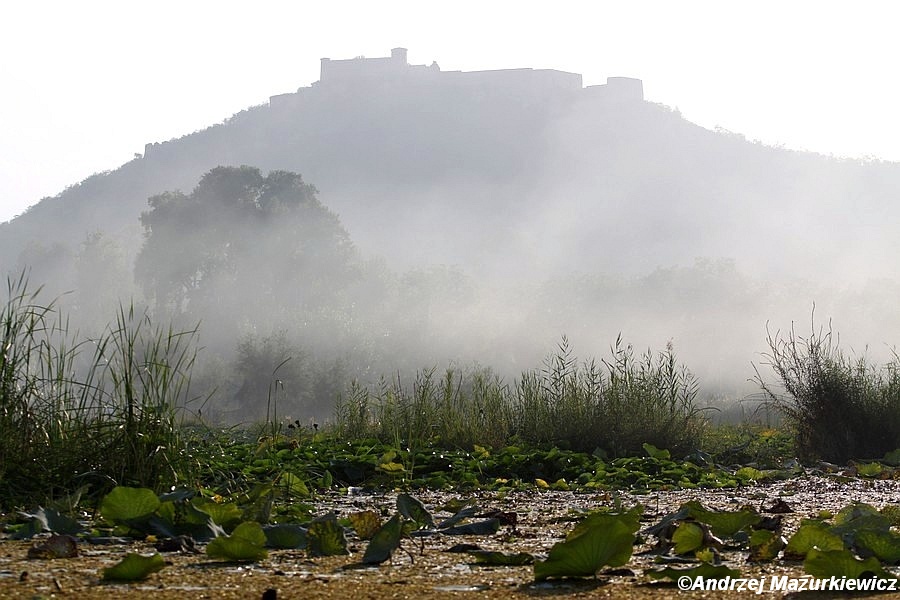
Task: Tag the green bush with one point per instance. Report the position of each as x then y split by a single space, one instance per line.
840 407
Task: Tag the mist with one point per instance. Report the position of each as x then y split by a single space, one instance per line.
470 220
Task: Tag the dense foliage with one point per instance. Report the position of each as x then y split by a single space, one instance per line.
613 407
89 413
78 413
239 234
840 407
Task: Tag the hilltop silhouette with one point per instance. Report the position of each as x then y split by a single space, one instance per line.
505 161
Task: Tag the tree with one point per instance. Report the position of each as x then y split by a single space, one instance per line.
244 247
101 282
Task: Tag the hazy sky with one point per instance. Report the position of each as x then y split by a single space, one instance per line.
87 84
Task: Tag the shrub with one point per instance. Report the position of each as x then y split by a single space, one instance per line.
840 407
616 406
75 411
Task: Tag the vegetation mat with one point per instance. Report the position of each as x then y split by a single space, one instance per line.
487 544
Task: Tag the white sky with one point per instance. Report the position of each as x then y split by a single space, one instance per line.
84 85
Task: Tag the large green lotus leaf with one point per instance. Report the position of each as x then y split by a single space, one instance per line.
127 504
325 537
857 512
858 517
724 523
601 539
704 570
285 536
226 514
415 511
812 534
294 485
688 537
246 543
841 563
250 531
134 567
384 542
765 545
885 545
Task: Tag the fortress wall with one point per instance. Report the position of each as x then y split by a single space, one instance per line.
394 73
617 89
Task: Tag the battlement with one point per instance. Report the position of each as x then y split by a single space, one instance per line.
363 69
617 89
394 71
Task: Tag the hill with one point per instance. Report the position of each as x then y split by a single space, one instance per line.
501 164
597 201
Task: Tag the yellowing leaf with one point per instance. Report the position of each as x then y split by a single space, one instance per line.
325 537
765 545
391 467
365 523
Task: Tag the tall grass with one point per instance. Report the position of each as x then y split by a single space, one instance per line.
459 408
97 412
840 407
615 406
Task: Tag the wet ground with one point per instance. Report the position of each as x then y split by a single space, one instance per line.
423 567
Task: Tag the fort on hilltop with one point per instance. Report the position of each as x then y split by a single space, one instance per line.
394 71
393 79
